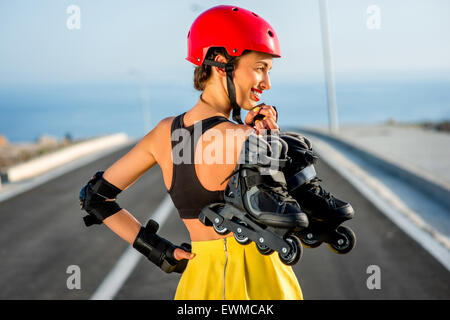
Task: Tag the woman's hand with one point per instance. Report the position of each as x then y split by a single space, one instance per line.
266 118
180 254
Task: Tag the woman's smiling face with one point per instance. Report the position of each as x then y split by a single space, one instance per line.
251 78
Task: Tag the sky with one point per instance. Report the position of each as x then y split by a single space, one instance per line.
119 40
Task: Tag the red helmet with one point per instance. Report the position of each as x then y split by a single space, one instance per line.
233 28
236 30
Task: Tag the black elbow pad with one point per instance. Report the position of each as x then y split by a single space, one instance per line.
93 199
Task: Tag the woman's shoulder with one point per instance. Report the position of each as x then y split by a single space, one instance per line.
163 127
229 125
228 128
231 136
160 132
233 130
165 123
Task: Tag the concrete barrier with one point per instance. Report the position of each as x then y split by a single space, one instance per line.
48 162
437 190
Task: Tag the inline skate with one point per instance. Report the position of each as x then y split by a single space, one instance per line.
325 212
257 206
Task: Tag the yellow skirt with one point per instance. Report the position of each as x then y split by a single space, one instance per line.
225 269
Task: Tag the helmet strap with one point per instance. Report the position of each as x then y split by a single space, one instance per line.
229 68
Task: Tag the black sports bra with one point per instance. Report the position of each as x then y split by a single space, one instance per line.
186 191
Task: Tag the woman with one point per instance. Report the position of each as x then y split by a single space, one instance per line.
233 50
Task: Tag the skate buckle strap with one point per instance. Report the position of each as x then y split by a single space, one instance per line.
301 177
269 179
283 163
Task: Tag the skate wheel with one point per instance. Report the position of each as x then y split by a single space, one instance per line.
345 242
294 252
221 230
263 249
242 239
310 241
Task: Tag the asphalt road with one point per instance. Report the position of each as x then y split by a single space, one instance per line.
42 234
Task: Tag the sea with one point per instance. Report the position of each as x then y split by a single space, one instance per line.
85 110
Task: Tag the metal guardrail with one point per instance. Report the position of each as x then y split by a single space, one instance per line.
437 190
53 160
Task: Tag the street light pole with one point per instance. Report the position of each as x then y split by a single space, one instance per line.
145 98
328 66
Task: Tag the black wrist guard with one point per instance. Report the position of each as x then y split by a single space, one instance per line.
93 199
159 250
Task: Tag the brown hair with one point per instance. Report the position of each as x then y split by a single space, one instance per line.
203 72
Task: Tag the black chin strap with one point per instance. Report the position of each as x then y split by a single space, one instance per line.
229 68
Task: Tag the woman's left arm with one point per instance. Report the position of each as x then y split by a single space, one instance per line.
98 199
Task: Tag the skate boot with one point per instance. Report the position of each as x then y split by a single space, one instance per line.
325 212
257 204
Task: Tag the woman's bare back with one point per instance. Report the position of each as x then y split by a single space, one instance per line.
216 155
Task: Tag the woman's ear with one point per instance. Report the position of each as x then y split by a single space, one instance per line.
222 59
